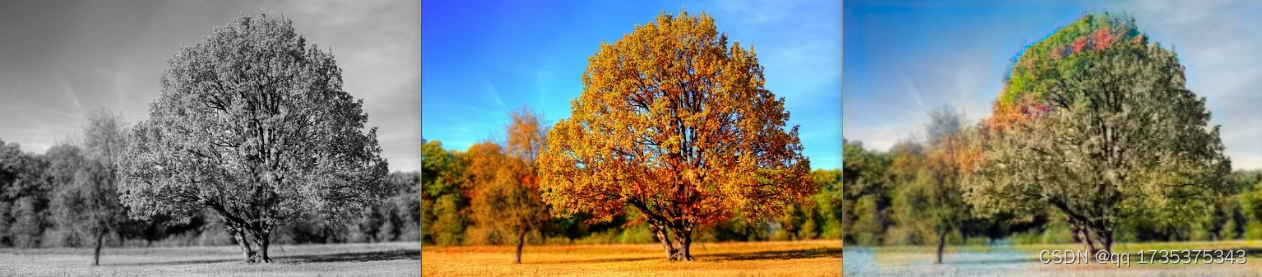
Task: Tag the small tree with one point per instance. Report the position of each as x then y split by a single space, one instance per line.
946 161
252 124
678 125
507 188
88 203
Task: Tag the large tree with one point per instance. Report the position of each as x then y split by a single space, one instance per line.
678 125
253 124
1098 123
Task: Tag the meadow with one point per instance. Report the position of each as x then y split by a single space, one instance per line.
1024 260
775 258
376 259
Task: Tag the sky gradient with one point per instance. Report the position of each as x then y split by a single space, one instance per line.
485 60
62 59
904 58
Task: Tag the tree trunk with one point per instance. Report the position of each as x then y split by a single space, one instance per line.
262 239
683 243
96 257
521 241
1106 240
1085 236
941 244
661 236
239 235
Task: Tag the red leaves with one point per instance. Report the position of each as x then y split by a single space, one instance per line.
1102 38
1079 44
1096 41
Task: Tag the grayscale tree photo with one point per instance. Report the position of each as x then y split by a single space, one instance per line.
210 138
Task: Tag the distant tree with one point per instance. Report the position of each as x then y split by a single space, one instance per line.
89 206
404 216
867 184
253 124
946 161
677 124
24 197
442 195
507 195
828 202
89 203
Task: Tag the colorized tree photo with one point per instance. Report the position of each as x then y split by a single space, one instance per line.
1077 139
599 139
230 138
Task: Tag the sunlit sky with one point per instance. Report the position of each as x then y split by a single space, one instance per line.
62 59
904 58
484 60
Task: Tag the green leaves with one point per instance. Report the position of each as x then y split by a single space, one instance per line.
1123 132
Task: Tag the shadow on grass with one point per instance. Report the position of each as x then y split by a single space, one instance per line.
994 262
526 260
181 262
1249 251
353 257
779 254
318 258
760 255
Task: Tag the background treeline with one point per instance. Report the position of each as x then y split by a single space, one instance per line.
450 187
884 192
43 195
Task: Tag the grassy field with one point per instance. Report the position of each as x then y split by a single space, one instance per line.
377 259
1024 260
800 258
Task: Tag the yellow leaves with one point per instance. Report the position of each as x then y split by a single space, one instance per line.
670 114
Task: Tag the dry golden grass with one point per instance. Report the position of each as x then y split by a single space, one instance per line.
375 259
1024 260
797 258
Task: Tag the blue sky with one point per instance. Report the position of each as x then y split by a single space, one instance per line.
62 59
485 59
904 58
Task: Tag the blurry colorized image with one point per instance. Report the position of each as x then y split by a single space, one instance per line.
990 138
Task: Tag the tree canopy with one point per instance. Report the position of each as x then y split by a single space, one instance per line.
252 123
1097 122
677 124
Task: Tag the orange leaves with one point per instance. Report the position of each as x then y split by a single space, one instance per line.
503 180
1079 44
671 115
1102 38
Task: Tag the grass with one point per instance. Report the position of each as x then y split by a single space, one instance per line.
377 259
1023 260
798 258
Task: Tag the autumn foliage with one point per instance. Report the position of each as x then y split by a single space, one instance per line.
1032 82
504 180
676 124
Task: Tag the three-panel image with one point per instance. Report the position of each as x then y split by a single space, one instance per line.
630 138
